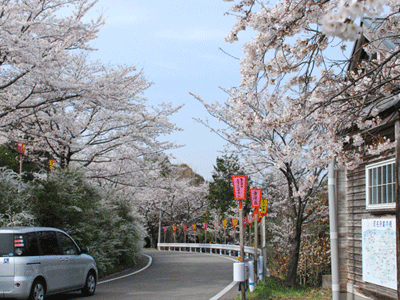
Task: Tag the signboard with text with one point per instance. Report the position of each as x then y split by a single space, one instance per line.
255 196
379 251
264 206
239 187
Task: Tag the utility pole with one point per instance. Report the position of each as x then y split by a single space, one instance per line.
333 231
239 191
255 195
255 244
264 244
241 232
263 212
159 230
397 164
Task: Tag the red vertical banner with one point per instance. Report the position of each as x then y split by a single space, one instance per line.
184 227
249 219
174 228
224 223
234 222
21 148
255 196
165 229
216 225
205 226
194 227
239 187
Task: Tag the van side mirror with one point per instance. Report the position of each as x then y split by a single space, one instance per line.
84 249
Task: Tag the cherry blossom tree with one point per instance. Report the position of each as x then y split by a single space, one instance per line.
299 89
37 37
303 76
82 114
176 199
110 125
295 185
74 111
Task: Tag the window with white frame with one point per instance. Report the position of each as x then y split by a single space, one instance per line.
381 184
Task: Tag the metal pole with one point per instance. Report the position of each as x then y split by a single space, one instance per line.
264 244
255 244
159 230
242 256
397 166
249 233
20 164
333 231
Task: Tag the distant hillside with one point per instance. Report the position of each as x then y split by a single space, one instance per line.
188 173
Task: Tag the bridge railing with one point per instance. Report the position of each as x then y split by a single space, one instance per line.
222 249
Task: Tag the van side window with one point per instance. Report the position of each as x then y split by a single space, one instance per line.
48 242
67 245
6 244
31 244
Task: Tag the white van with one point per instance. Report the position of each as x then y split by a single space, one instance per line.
38 261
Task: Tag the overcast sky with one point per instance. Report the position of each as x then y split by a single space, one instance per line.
176 43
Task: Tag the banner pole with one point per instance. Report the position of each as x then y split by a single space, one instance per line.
242 255
255 244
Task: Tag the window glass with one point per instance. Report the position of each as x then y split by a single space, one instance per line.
48 242
381 185
6 244
67 245
31 244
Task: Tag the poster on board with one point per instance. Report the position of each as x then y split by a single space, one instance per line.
379 252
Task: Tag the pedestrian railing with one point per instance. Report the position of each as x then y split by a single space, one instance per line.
222 249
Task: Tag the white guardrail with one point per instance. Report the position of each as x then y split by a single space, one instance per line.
226 249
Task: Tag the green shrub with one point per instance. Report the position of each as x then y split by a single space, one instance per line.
96 218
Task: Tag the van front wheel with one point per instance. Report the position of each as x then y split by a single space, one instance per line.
90 286
37 291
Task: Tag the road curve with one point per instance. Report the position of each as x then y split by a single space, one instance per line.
171 276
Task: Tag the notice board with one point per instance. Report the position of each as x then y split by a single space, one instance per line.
379 252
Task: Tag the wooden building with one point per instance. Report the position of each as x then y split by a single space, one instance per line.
366 207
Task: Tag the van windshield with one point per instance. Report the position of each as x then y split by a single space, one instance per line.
6 244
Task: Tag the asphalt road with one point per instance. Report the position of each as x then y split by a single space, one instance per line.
171 276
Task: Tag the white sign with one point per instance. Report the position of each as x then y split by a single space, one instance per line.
379 252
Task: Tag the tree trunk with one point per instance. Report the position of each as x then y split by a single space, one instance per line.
294 255
297 215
